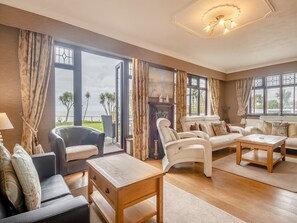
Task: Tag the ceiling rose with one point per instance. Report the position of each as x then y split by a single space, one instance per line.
210 19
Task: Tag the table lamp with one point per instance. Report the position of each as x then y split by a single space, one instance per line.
4 124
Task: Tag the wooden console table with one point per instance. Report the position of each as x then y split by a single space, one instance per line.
123 186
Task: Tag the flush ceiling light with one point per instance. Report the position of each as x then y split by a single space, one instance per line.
221 18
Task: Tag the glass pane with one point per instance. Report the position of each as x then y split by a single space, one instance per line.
288 79
194 82
98 78
288 100
202 83
273 80
64 55
64 96
257 104
188 101
202 102
258 82
273 100
194 102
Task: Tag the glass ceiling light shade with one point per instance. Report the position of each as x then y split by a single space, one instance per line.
221 18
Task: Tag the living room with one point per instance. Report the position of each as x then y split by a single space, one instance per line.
259 55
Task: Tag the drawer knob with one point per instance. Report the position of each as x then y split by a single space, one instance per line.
107 190
94 177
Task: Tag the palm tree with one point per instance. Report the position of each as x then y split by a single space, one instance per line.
107 100
87 96
67 99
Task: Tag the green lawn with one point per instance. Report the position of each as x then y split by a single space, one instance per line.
95 125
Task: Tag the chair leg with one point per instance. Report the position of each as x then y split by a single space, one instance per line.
84 172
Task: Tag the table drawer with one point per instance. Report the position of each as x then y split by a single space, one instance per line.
104 186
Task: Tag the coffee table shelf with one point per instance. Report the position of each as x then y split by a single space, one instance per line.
260 157
139 212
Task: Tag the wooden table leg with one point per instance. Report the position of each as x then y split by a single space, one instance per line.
269 159
119 212
238 153
160 200
90 187
283 151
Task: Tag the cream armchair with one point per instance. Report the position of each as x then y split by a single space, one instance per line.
188 149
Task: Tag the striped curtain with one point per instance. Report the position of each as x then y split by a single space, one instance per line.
140 108
181 98
214 85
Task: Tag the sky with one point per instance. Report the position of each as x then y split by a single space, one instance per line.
98 76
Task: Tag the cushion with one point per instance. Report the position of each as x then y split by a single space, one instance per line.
53 188
280 129
175 134
267 127
228 127
203 128
80 152
56 201
194 127
224 140
28 177
219 128
9 183
292 130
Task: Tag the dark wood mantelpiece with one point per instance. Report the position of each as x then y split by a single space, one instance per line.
158 110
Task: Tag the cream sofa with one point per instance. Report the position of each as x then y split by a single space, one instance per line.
217 142
291 142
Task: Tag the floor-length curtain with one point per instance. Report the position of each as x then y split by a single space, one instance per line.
35 60
181 97
214 86
140 104
243 92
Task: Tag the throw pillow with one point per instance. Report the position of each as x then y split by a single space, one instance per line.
28 177
203 128
219 128
279 129
267 127
194 127
292 130
9 184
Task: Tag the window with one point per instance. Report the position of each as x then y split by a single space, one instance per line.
89 84
196 95
274 95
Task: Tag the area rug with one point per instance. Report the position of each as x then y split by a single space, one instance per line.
284 174
179 206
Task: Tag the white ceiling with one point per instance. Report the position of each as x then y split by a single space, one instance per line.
149 24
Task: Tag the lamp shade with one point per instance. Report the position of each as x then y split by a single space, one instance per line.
4 122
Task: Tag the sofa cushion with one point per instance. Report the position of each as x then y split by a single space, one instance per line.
292 130
279 129
9 183
80 152
53 188
219 128
203 128
291 142
28 177
267 127
224 140
194 127
56 201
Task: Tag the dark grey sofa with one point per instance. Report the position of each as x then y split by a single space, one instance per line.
57 203
62 137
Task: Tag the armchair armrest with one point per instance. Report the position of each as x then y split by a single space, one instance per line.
174 146
72 210
95 137
45 164
183 135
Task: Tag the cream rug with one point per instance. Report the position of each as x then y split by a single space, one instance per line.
179 207
284 174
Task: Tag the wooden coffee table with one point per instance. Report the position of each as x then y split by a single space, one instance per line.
123 186
263 147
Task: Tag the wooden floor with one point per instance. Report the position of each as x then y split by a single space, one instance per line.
246 199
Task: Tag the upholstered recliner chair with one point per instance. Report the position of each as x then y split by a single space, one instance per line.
73 145
179 150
